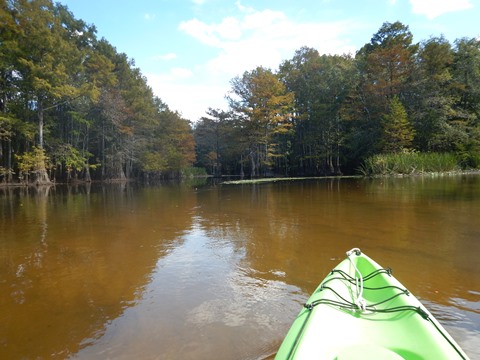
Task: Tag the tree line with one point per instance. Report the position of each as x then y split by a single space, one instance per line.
72 107
327 114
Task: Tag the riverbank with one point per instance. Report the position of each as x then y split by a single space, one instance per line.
416 163
389 174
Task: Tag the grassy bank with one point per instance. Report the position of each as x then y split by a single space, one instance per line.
411 163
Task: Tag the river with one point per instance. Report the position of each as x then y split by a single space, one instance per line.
220 271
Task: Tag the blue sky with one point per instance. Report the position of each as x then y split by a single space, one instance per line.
189 50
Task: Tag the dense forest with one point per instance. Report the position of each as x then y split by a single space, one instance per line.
327 114
73 108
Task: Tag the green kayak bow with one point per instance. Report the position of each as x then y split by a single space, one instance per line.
360 311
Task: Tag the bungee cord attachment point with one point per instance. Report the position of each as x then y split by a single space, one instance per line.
359 300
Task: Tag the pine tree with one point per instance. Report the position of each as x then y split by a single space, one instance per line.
397 133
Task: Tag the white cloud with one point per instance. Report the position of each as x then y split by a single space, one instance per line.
251 39
173 76
229 28
264 38
243 8
434 8
181 73
200 31
191 99
176 74
262 19
212 34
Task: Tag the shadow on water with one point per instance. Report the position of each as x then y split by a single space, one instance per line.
74 258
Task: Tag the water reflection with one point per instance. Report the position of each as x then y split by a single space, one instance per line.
220 271
72 262
200 303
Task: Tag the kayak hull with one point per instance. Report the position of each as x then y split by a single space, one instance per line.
367 316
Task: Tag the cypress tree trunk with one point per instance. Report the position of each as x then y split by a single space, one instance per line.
41 172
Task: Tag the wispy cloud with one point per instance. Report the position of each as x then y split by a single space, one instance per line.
434 8
243 8
270 35
199 30
149 16
242 42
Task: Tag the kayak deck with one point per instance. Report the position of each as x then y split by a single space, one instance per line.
360 311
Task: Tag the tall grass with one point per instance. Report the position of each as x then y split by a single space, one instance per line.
409 163
192 172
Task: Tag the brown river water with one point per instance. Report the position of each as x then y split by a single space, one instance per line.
220 271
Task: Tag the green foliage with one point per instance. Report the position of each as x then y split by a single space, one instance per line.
466 73
397 131
6 173
265 106
408 163
321 85
171 149
154 162
391 34
192 172
6 127
469 152
219 142
66 92
31 162
70 158
435 102
395 97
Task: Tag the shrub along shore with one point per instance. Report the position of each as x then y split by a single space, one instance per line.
398 164
411 163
